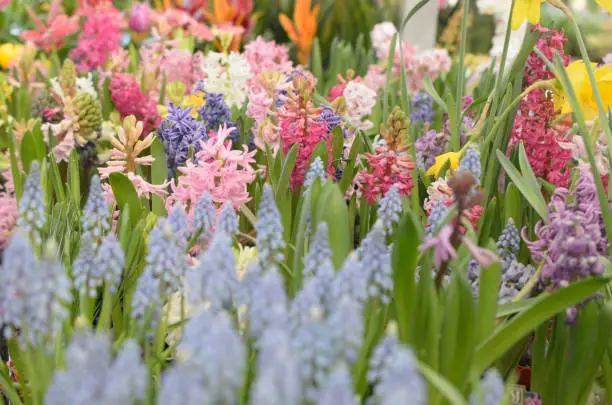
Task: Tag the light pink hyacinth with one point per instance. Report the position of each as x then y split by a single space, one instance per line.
220 171
267 55
8 209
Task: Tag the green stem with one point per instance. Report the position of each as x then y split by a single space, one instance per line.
456 137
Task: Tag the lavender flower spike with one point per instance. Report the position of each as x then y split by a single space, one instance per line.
269 227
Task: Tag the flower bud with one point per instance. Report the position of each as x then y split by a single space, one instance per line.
140 17
68 79
90 114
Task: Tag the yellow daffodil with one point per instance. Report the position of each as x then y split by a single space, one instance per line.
9 54
453 157
526 10
607 4
579 79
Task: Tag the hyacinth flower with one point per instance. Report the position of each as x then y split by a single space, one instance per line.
268 56
302 30
220 171
58 27
130 100
127 146
391 164
8 208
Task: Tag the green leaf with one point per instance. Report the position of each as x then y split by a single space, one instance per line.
74 178
285 174
488 291
405 252
331 208
126 194
390 62
337 144
530 191
522 324
431 90
316 61
159 174
30 151
412 13
442 385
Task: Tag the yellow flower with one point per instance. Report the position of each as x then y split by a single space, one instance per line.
453 157
526 10
9 54
579 79
607 4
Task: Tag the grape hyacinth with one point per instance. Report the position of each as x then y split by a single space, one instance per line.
422 108
32 205
429 146
383 353
110 261
350 281
492 389
227 221
267 307
269 227
212 284
92 377
212 347
147 299
165 258
204 216
177 218
400 381
514 278
390 209
338 389
319 251
315 171
182 386
375 260
277 379
509 242
471 162
436 216
96 215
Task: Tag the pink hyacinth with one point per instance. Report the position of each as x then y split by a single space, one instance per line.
220 171
430 63
545 143
375 78
387 169
101 36
129 100
51 35
177 65
336 91
267 55
8 209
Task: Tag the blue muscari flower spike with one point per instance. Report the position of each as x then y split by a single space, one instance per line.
345 323
32 205
92 377
228 220
83 268
269 227
146 298
96 216
383 353
436 216
268 304
213 284
315 171
18 268
319 251
177 133
471 162
509 242
330 117
492 390
277 380
422 108
390 209
337 389
165 257
216 113
349 281
376 263
182 386
180 224
204 215
211 346
400 381
110 260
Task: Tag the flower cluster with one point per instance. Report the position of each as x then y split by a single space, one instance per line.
130 100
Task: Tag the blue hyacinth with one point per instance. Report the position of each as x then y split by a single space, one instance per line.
383 353
96 216
183 386
390 209
345 324
269 227
375 260
330 117
216 113
315 171
32 205
509 242
492 389
471 162
422 108
436 216
180 131
177 218
110 260
228 221
91 376
337 389
204 215
83 268
277 380
165 257
400 381
268 304
146 299
350 281
319 251
211 346
213 283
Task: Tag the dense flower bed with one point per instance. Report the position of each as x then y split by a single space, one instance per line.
193 211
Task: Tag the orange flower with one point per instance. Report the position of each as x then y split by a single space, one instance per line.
301 31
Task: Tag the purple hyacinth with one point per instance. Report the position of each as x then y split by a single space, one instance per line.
216 113
428 147
180 131
422 108
330 117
